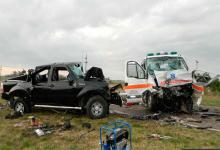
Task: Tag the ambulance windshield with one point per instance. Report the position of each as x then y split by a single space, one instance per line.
165 64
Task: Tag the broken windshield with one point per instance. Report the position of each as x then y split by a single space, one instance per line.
77 70
165 64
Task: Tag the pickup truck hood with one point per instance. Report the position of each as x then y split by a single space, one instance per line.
173 78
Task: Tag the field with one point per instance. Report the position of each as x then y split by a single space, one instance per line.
22 137
211 100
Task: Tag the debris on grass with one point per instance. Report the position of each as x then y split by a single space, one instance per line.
14 115
218 119
204 116
146 117
78 138
44 129
159 137
87 125
3 106
211 114
171 120
155 116
201 109
213 129
34 121
39 132
66 125
194 120
19 124
202 127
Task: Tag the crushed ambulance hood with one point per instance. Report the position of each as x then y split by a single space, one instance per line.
173 78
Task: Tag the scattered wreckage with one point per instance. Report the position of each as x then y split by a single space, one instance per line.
164 82
61 85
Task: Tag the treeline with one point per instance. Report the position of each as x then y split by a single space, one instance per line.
15 74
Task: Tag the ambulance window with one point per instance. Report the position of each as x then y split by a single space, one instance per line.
135 70
132 70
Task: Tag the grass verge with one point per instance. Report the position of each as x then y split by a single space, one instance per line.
211 100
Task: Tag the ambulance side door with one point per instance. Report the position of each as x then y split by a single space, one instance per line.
136 81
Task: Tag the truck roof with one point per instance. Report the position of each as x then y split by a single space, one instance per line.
60 63
57 64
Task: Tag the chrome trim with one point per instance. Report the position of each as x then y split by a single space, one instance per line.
61 107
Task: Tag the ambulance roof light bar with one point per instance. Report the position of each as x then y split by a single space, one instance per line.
162 53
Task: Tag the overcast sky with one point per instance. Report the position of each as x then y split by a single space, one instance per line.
34 32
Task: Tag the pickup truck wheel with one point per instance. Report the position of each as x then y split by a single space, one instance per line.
97 107
21 106
152 103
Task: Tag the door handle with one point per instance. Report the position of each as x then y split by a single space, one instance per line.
51 86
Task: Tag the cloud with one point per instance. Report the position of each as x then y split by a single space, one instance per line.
111 32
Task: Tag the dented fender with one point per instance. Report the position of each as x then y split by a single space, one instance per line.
94 89
20 88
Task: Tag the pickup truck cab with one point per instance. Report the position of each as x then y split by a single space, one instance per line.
62 85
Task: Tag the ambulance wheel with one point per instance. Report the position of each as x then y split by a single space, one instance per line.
189 105
152 103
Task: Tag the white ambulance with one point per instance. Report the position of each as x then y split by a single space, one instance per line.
162 81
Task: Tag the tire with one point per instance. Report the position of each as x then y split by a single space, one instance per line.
189 105
97 107
21 106
152 103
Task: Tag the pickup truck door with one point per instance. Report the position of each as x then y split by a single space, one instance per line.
41 91
136 82
63 92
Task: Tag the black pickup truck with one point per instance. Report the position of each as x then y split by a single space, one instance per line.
61 85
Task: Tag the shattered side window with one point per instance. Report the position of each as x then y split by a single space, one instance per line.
77 70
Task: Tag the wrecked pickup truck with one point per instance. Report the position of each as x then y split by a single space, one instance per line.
61 85
164 82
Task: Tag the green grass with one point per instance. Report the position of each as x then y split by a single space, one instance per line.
23 138
211 100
